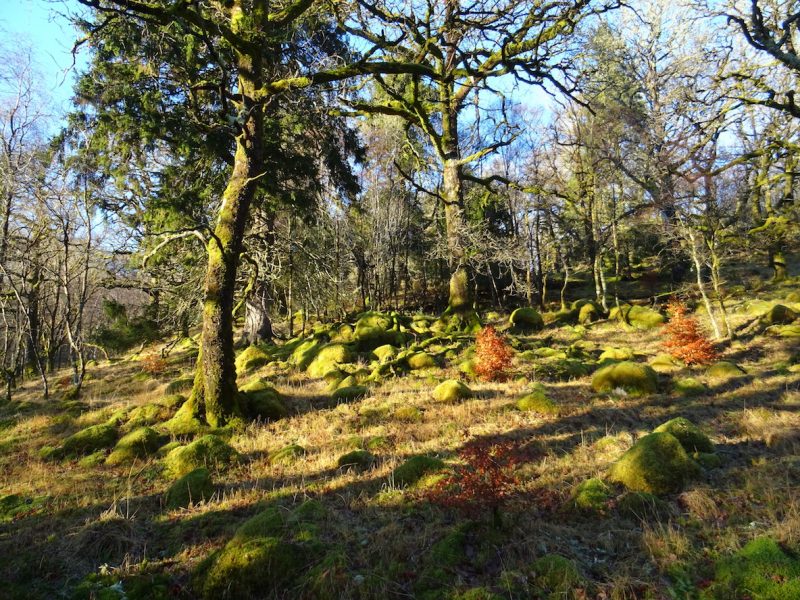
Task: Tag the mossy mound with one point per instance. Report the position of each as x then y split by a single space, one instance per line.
186 421
183 384
468 368
547 353
250 358
139 443
780 315
209 451
724 370
689 435
192 487
89 440
538 402
374 329
262 401
788 331
357 459
619 313
329 358
477 593
642 506
414 468
420 360
616 354
589 313
592 495
562 369
287 455
689 386
656 464
385 353
349 393
634 378
555 576
526 319
408 414
762 570
451 391
642 317
451 549
304 353
155 412
665 363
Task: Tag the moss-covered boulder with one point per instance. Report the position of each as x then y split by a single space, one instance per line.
618 354
592 495
154 412
537 401
193 487
555 576
287 455
589 313
469 368
349 393
562 369
420 360
665 363
414 468
385 353
451 391
642 317
209 451
374 329
139 443
634 378
780 315
357 459
619 313
656 464
408 414
787 331
760 570
329 358
526 319
689 386
724 370
262 401
304 353
689 435
89 440
251 358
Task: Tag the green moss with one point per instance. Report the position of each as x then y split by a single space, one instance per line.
468 368
724 370
537 401
329 358
13 506
357 459
408 414
632 377
450 550
788 331
616 354
377 442
689 386
689 435
89 440
350 393
644 318
546 352
780 315
589 313
451 391
561 369
155 412
385 352
287 454
477 593
526 319
656 464
761 570
374 329
192 487
251 358
665 363
642 506
139 443
186 420
414 468
179 385
262 401
420 360
209 451
304 353
93 460
555 576
708 460
619 313
592 495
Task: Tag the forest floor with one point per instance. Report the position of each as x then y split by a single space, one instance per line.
77 525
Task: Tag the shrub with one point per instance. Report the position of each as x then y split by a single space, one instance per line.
153 364
492 354
685 338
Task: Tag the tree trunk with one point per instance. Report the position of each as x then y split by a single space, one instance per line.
461 297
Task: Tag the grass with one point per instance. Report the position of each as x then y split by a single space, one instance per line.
377 539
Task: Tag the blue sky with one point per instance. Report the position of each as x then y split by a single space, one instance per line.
43 26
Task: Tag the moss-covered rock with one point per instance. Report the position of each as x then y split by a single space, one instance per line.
304 353
186 420
420 360
618 354
689 435
385 353
329 358
191 488
689 386
589 313
154 412
760 570
555 576
349 393
592 495
562 369
414 468
724 370
656 464
642 506
468 368
262 401
89 440
619 313
787 331
251 358
780 315
634 378
287 454
526 319
209 451
538 402
357 459
665 363
374 329
408 414
451 391
644 318
139 443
